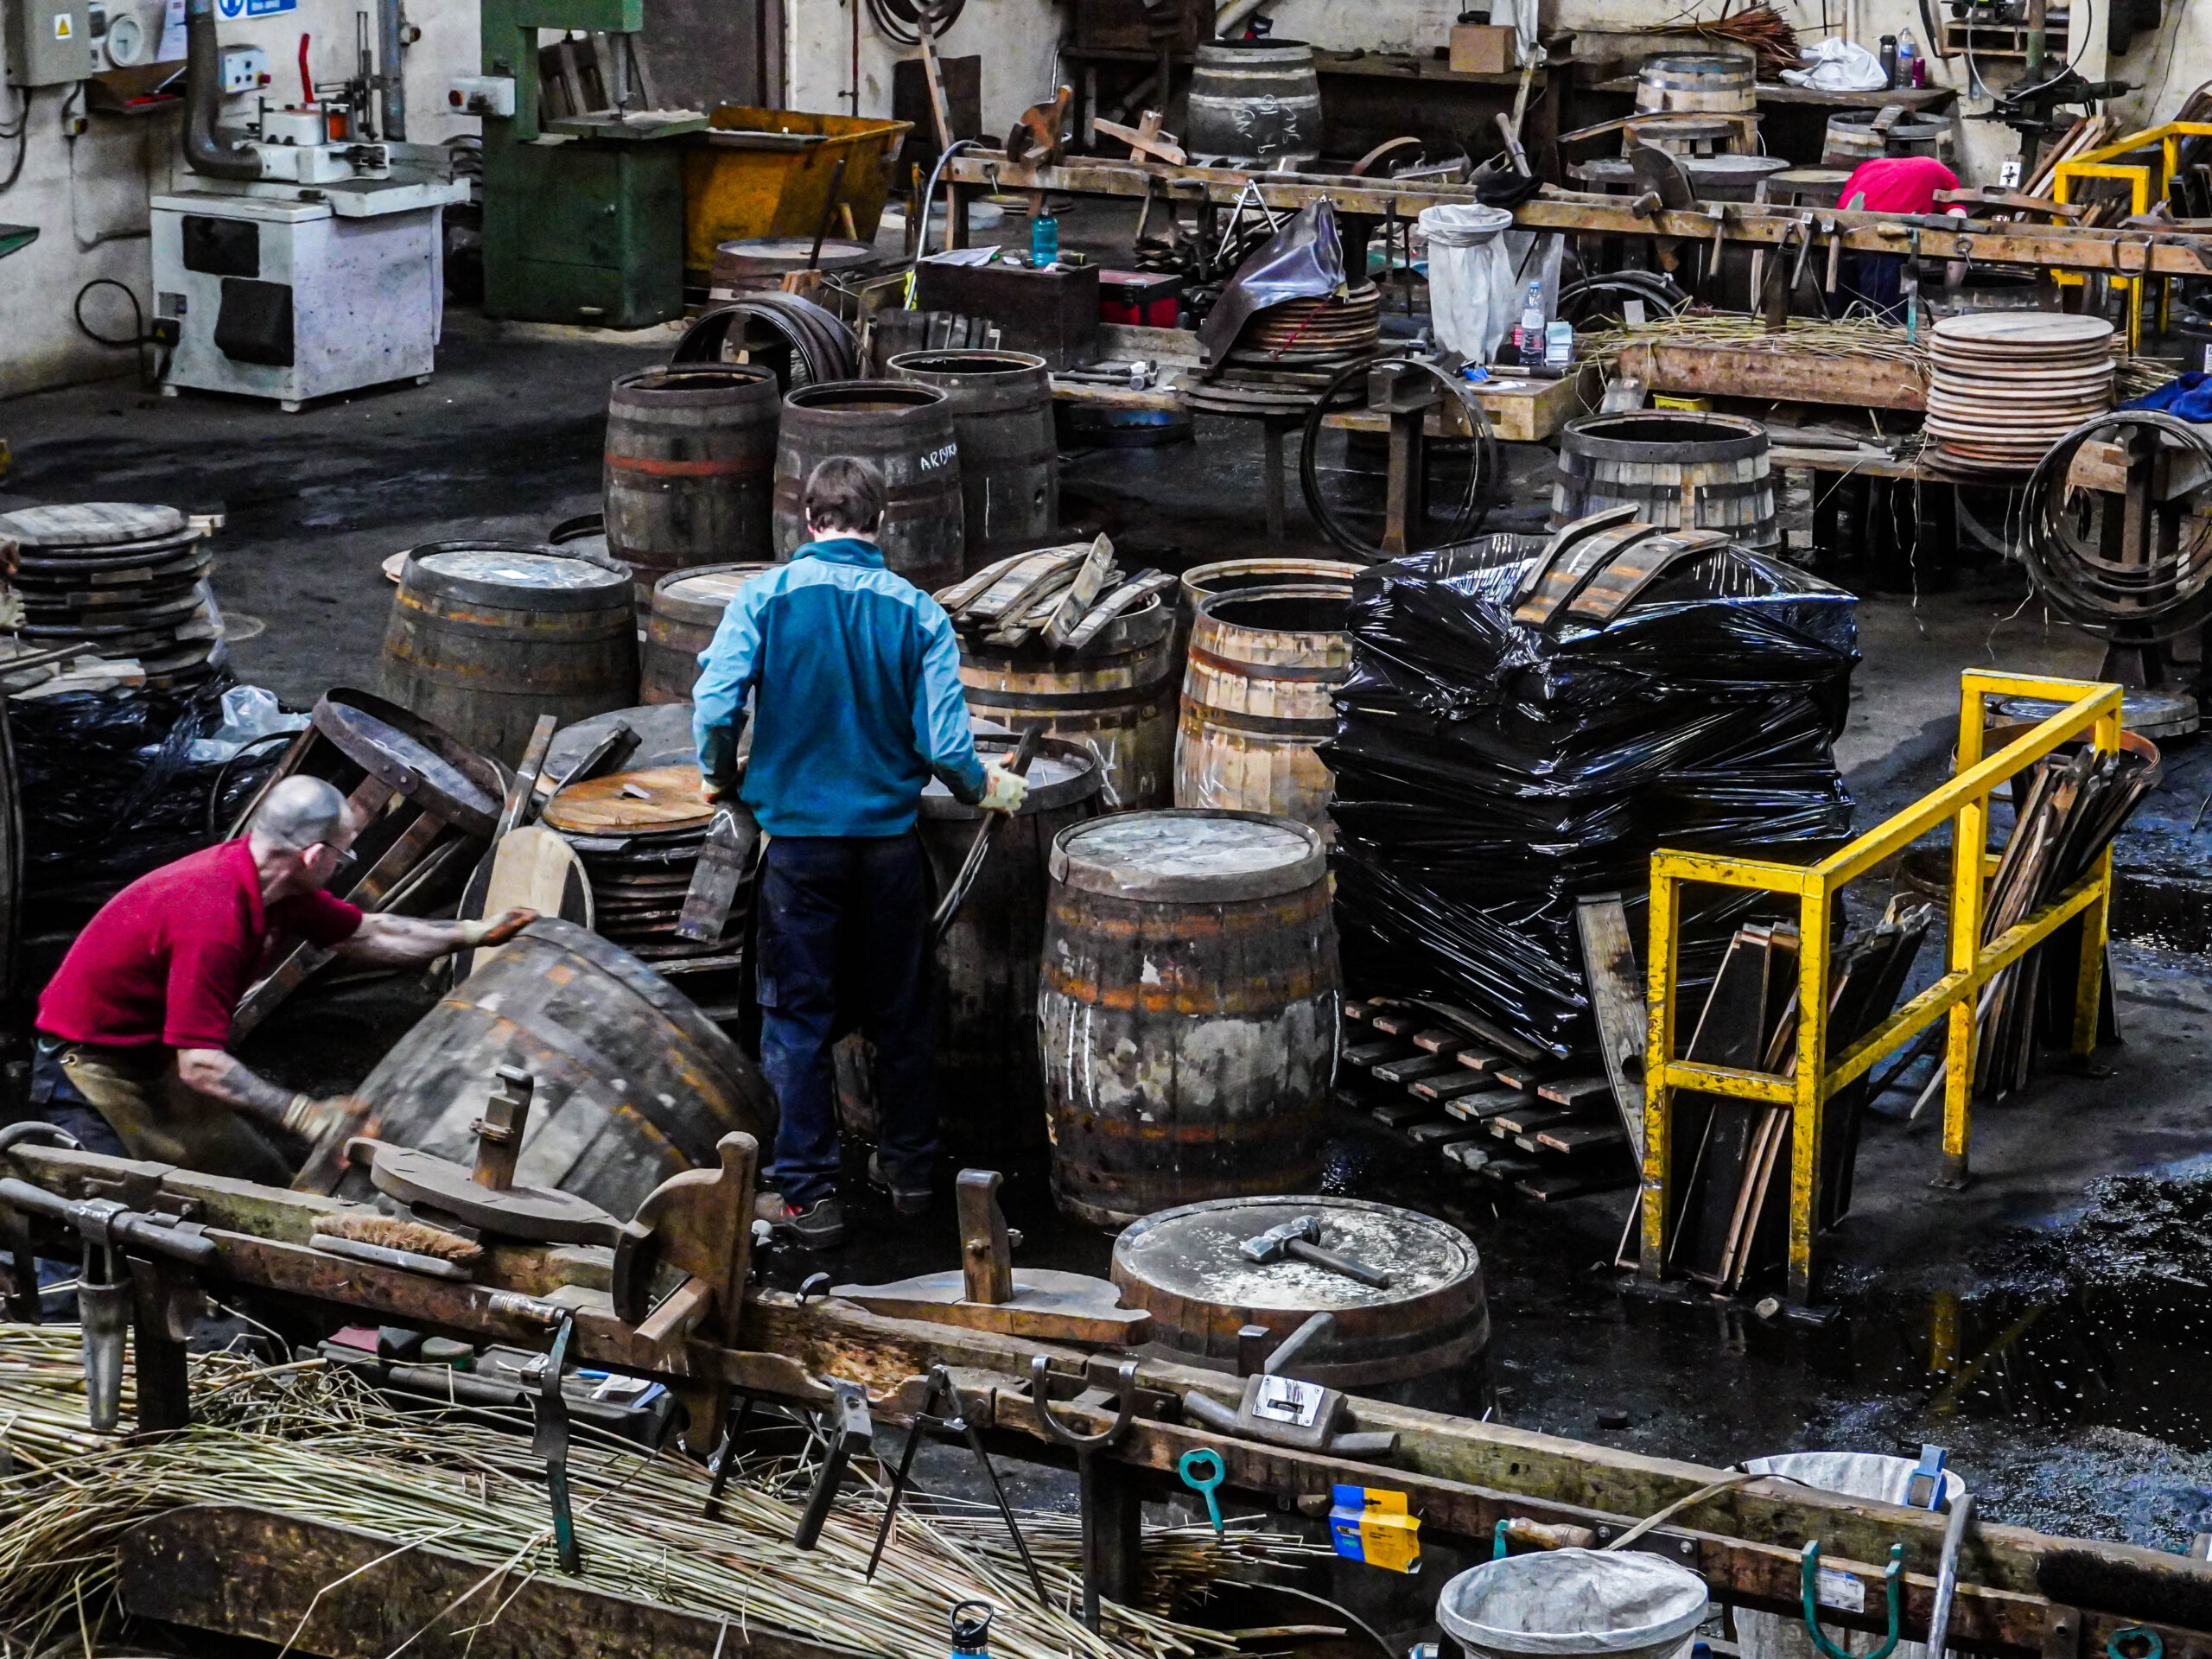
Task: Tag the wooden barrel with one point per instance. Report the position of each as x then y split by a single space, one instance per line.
690 466
1117 699
1009 455
905 431
686 608
1185 1266
1255 101
1187 1013
1697 82
1653 459
633 1083
1230 576
1852 138
990 1085
487 636
1256 705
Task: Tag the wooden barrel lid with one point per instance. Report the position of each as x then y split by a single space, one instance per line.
658 800
2037 331
406 752
662 729
701 593
1185 1267
1189 855
89 524
1059 775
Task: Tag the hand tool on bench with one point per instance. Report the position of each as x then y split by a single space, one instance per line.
1282 1410
1086 1448
846 1428
941 1387
548 1439
128 1268
1299 1240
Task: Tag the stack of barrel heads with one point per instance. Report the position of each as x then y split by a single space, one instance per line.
124 579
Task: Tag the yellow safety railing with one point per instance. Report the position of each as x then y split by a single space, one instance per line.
2148 181
1817 1075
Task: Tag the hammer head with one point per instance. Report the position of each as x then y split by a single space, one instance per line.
1270 1245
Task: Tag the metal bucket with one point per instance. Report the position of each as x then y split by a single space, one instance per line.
1572 1603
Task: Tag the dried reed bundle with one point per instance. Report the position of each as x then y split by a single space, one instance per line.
315 1443
1765 30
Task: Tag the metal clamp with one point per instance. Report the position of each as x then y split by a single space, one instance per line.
846 1428
1086 1448
1809 1596
550 1440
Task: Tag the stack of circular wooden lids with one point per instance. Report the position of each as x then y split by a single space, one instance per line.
126 579
2008 385
639 834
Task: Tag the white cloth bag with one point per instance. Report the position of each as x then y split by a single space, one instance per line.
1470 297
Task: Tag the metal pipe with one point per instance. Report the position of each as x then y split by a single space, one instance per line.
204 149
2038 42
1947 1575
392 27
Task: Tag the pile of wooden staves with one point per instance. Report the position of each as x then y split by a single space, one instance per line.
1731 1202
1495 1106
1063 597
2070 811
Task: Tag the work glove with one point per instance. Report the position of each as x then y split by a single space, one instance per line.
495 930
314 1120
1005 791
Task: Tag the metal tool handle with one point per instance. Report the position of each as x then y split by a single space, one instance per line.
107 1222
1125 1389
971 866
1375 1278
1287 1352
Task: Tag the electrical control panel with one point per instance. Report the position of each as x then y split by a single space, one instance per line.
49 42
245 69
482 94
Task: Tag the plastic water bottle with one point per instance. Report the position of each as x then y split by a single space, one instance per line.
1044 241
1908 60
1528 337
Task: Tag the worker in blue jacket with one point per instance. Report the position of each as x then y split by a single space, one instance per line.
853 673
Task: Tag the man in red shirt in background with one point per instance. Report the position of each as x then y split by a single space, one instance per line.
134 1028
1894 184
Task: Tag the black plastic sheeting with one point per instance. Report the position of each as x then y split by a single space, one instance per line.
108 793
1487 774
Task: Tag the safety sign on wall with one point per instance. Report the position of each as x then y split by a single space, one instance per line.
235 8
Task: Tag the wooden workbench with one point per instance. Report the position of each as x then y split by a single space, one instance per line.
1711 369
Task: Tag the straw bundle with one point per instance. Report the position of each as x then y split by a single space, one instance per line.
314 1443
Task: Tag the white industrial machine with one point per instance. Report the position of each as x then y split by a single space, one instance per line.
306 258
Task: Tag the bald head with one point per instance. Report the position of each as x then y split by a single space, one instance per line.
299 812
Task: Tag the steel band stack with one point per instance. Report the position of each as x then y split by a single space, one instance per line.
124 579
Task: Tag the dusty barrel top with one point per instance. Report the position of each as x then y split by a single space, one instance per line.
1189 855
1064 774
702 595
656 800
514 576
1194 1252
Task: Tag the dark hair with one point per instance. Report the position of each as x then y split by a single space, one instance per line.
844 492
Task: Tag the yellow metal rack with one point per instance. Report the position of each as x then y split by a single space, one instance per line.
1816 1076
2148 180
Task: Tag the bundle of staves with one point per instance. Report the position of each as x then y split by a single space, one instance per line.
2072 809
316 1444
1063 597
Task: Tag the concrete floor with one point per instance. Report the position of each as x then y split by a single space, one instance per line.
506 440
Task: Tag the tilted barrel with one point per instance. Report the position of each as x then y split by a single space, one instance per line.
487 636
687 607
1852 137
1256 701
990 1090
1188 1013
905 431
632 1083
1682 470
1117 699
1255 101
690 467
1009 454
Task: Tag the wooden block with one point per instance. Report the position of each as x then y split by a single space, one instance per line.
1440 1039
1589 1136
1397 1114
1480 1109
1479 1059
1438 1131
1398 1022
1364 1055
1447 1090
1577 1091
1482 49
1529 1119
1414 1067
1523 1076
1359 1011
1550 1186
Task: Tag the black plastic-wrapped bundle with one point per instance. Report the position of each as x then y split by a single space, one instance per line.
110 791
1488 772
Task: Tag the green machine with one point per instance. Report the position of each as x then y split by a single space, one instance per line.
583 182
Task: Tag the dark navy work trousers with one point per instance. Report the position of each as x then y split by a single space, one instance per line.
849 911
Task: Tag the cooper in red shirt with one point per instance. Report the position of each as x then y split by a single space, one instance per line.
135 1027
1897 184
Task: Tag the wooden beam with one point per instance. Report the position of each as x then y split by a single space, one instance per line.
1701 370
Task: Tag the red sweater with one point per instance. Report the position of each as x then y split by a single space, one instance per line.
1898 184
167 958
